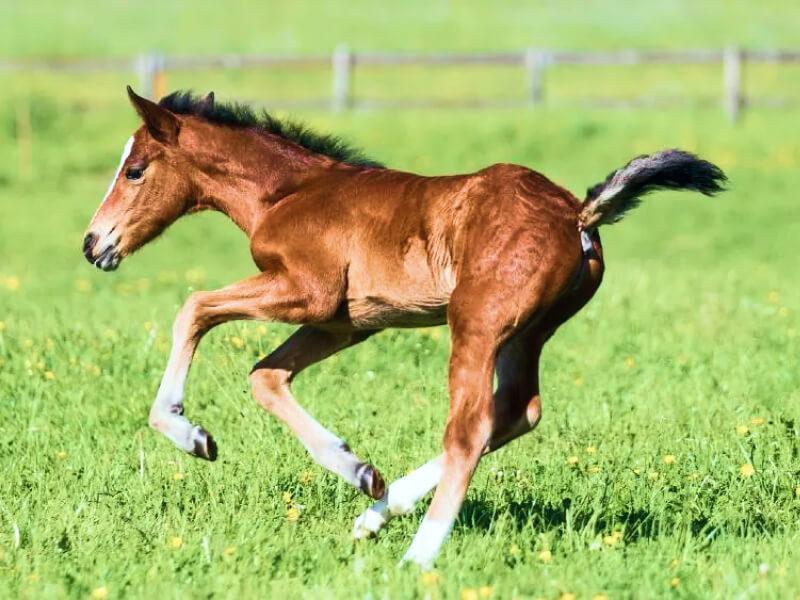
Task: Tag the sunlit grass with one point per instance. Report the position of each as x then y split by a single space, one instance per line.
666 461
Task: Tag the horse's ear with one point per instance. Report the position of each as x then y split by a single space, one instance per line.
207 104
161 123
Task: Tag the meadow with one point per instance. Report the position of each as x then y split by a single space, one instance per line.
665 466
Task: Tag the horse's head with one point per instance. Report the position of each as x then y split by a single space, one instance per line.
151 189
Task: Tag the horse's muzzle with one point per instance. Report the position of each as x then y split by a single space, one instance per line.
108 259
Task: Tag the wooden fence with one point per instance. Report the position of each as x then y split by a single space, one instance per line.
152 72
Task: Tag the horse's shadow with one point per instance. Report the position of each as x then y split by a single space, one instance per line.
639 524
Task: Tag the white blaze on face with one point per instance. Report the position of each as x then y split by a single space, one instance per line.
126 152
103 230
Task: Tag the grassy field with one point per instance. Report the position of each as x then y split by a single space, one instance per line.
666 464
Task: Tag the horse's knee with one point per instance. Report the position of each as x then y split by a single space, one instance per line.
468 432
269 386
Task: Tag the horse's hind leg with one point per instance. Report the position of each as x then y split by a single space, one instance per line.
271 378
400 499
517 410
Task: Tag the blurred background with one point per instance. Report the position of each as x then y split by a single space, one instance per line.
689 349
571 89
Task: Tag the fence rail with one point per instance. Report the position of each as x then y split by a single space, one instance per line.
152 70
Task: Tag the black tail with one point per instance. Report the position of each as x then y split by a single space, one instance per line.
608 202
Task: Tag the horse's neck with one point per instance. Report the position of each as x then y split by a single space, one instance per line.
254 181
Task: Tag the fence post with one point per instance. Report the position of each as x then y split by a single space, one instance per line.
342 63
535 61
159 76
732 75
152 75
144 71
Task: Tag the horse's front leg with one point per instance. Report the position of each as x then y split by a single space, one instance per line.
261 297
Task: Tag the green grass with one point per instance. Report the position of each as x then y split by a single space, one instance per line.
694 332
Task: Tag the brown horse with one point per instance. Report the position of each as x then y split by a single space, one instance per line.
346 248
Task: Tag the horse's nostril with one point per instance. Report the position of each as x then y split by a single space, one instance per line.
88 243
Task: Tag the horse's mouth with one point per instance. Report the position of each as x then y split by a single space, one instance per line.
107 260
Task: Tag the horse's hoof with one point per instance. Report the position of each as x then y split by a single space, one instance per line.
204 444
369 523
370 482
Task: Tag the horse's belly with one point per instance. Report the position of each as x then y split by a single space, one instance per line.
373 312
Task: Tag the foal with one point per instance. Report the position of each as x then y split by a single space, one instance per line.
346 248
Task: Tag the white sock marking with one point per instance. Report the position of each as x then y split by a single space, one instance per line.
400 499
427 542
407 491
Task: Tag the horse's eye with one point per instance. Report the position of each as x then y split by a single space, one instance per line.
134 173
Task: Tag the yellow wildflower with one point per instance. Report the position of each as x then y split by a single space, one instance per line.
100 593
545 556
11 283
261 330
2 325
591 450
600 597
61 455
613 538
287 497
175 542
567 596
306 477
757 421
515 550
783 311
674 582
742 430
747 470
579 381
237 342
485 591
177 476
630 362
594 470
669 459
653 475
797 491
293 514
572 460
49 375
195 276
229 551
469 594
429 578
774 297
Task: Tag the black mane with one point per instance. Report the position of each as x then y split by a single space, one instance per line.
235 114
